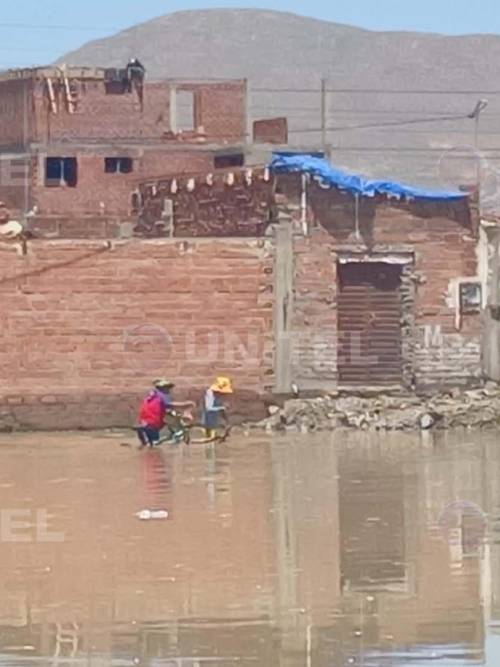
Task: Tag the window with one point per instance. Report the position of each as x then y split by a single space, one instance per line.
185 111
61 171
115 81
228 160
470 298
118 165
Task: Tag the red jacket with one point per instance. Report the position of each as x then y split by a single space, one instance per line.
153 410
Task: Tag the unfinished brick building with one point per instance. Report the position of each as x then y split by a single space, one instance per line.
369 290
74 141
271 278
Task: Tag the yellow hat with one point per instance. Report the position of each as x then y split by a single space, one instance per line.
222 385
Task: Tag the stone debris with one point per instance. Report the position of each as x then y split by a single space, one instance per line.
476 408
426 422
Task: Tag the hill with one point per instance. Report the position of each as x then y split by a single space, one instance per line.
380 83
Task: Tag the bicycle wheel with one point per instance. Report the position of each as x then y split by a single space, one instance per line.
197 434
224 433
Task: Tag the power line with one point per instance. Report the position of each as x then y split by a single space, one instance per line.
398 123
267 107
377 91
437 132
395 112
415 91
342 110
459 153
286 90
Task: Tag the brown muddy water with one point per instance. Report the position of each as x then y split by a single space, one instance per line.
324 551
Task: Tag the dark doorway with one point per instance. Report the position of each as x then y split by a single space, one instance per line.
369 324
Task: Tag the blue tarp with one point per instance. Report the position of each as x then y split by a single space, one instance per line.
330 175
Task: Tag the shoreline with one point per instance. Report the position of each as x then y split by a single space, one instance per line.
454 409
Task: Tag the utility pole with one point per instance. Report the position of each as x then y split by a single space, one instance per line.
476 115
324 113
248 114
27 156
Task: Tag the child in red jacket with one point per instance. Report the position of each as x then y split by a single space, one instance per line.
154 409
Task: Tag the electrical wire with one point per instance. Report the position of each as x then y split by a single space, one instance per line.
398 123
377 91
342 110
451 153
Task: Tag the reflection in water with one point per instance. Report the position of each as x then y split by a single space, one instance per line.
351 549
157 478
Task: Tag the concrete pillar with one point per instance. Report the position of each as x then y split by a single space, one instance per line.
491 301
167 216
248 114
283 306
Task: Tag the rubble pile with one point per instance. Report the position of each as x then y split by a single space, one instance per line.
475 408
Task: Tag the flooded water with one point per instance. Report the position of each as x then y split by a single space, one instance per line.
345 549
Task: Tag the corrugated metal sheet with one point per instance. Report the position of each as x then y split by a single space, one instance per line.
369 324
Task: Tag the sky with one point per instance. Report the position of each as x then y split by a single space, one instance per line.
39 31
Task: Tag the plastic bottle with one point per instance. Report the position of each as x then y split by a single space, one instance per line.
149 515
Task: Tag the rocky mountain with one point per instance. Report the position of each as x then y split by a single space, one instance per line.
389 92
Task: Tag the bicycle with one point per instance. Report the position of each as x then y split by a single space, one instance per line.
180 429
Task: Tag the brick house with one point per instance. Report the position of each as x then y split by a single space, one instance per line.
383 290
271 278
73 141
377 290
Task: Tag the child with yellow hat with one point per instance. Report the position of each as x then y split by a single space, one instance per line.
213 404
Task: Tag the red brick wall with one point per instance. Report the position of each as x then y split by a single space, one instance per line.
315 314
221 111
444 253
85 329
439 236
244 207
16 109
162 162
270 131
15 175
100 115
113 190
91 226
